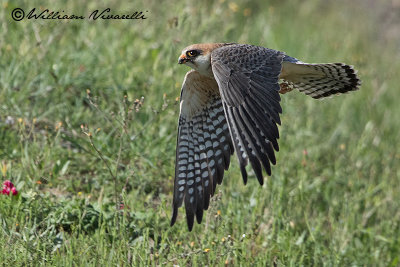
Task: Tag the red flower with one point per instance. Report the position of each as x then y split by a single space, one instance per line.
8 187
7 183
5 191
14 191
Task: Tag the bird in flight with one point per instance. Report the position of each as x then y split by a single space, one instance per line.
230 102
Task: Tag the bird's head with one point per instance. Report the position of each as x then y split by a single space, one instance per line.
198 57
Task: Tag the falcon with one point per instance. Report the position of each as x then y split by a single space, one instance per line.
230 102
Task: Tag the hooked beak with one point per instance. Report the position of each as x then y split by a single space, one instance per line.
182 59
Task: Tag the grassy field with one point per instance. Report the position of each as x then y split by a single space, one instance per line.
88 123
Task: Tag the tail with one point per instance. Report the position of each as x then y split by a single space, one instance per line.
319 80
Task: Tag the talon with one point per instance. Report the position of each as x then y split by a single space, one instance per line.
285 88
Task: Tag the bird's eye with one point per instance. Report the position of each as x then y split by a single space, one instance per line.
191 53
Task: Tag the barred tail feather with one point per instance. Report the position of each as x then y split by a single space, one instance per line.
320 80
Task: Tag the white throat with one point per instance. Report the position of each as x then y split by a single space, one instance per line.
202 64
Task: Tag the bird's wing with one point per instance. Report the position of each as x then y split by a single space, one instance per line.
247 77
204 146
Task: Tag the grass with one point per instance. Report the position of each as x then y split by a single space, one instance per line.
94 166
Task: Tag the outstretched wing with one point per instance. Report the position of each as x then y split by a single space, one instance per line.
204 146
248 82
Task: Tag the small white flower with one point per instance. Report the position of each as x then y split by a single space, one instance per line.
9 120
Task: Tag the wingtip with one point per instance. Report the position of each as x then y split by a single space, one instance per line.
199 215
244 174
174 216
259 175
190 221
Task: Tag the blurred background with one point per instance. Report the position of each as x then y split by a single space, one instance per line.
88 124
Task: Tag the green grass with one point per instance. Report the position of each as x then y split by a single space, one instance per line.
333 197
